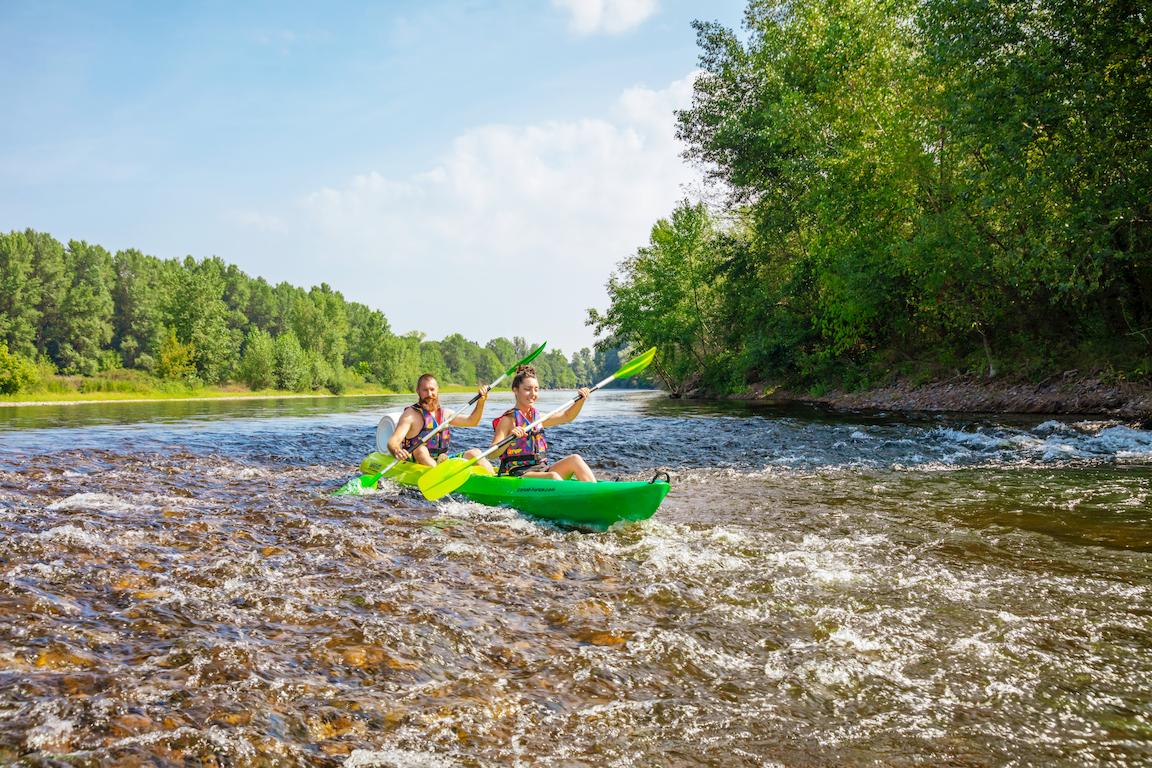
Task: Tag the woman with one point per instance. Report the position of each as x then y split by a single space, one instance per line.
526 456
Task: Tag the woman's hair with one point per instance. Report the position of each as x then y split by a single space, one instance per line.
523 372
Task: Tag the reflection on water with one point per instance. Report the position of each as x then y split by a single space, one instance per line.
177 586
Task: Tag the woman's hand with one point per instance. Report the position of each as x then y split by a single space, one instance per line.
483 391
584 393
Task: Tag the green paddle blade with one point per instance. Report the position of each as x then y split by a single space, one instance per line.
445 477
526 360
635 365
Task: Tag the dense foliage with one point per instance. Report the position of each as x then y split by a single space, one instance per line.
79 310
913 188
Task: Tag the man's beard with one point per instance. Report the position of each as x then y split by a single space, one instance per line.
430 403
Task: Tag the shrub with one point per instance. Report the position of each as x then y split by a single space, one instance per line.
17 373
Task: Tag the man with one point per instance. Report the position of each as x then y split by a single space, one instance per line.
423 417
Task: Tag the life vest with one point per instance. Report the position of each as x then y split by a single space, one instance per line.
523 451
438 444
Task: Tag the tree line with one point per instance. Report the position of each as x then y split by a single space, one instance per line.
79 310
916 188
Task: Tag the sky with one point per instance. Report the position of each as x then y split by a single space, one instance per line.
476 166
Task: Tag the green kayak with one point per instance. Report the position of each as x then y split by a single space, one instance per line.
566 502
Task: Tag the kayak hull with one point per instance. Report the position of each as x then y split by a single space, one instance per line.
565 502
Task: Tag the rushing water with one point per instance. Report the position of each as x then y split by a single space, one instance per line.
179 587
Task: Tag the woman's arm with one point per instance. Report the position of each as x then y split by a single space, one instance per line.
573 410
505 427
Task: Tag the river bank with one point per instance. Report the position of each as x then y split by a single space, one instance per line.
88 398
1069 393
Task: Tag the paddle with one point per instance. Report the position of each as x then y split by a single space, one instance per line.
451 474
375 479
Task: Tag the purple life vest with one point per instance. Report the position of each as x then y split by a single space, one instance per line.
438 444
523 451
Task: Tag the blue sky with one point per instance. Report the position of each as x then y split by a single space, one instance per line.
398 151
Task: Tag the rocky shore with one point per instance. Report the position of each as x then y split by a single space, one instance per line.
1069 393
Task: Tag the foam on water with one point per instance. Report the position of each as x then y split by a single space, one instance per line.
813 591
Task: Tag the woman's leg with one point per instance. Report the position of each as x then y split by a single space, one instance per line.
543 475
573 466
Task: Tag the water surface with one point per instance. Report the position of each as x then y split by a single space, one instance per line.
178 586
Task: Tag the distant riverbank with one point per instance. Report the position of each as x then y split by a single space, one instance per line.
82 398
1069 393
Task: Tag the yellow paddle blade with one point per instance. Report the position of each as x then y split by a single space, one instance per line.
445 477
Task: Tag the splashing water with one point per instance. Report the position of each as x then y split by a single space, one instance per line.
180 586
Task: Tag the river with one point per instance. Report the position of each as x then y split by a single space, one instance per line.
179 586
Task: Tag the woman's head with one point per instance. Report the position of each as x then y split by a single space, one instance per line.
523 372
525 386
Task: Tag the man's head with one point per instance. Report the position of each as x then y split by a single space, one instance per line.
428 392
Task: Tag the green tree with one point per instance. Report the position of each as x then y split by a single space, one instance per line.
17 372
262 306
669 296
199 315
405 362
504 350
329 325
19 293
175 359
488 367
583 368
458 359
238 299
293 367
84 325
369 343
432 361
559 372
137 295
53 273
258 363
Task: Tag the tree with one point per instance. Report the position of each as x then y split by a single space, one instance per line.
52 271
457 353
198 314
504 350
258 363
137 296
488 367
19 293
330 331
84 325
405 361
176 360
369 348
17 372
669 296
432 361
293 368
583 368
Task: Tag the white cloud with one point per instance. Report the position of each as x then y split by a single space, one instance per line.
542 210
589 17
